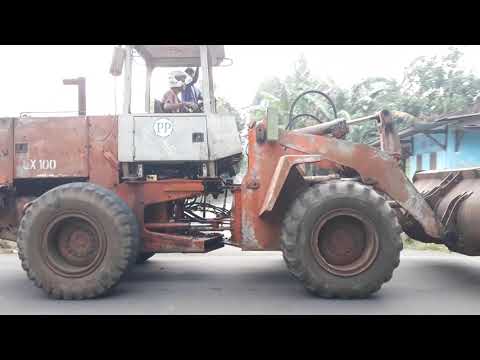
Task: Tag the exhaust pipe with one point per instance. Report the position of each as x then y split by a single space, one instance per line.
82 97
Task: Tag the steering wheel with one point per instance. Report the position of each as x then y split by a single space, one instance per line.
305 115
292 119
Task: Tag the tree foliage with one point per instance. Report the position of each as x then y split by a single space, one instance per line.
438 85
431 87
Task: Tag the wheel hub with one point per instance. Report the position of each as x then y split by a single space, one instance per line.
78 247
344 242
74 245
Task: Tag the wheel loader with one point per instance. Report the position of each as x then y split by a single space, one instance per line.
89 197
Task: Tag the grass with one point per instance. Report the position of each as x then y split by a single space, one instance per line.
7 247
411 244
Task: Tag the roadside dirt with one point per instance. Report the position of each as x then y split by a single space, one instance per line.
8 247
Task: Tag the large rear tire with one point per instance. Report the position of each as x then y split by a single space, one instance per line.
77 241
341 239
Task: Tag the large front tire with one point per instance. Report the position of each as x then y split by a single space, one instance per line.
77 241
341 239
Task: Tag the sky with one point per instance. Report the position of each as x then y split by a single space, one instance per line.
31 76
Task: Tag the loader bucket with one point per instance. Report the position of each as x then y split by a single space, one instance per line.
454 195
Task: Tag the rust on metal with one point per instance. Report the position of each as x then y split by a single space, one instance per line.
40 149
253 184
458 206
280 174
76 245
434 195
163 242
273 163
91 151
344 242
11 214
173 189
102 158
6 151
389 139
338 128
162 190
452 209
186 226
276 173
371 164
263 232
139 195
236 216
256 232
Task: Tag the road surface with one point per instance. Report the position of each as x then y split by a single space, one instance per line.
228 281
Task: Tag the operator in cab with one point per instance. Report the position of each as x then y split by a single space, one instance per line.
191 93
170 101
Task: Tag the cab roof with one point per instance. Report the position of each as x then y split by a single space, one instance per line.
178 55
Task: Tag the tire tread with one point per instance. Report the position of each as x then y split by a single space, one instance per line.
123 216
293 221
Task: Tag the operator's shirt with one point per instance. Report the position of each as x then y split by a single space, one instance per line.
191 94
171 98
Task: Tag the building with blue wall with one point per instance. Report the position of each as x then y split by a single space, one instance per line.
453 144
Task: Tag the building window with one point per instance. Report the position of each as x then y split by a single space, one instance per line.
419 162
433 161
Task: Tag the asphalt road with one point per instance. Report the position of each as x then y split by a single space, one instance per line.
228 281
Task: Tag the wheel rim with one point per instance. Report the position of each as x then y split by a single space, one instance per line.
73 245
344 242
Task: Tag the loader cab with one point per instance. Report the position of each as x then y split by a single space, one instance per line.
154 139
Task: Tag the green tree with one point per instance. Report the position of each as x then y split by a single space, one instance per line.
271 93
301 80
435 86
365 98
280 95
431 87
